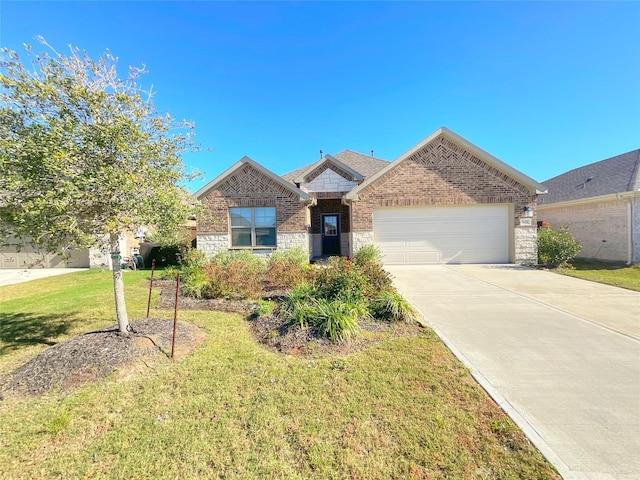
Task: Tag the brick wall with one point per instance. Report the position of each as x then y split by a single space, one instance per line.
601 228
442 173
249 187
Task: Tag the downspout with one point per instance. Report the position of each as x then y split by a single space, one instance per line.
630 245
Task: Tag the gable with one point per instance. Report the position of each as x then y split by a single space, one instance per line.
247 177
443 172
455 161
328 180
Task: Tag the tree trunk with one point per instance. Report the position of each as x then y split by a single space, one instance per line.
118 286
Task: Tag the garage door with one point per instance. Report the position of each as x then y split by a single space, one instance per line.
420 235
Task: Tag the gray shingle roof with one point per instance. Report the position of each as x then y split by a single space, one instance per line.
365 165
614 175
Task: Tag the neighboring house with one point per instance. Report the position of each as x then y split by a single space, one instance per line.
27 257
600 204
443 201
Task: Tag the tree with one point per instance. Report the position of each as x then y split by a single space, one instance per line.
85 155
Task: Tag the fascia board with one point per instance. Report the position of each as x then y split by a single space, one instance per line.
586 201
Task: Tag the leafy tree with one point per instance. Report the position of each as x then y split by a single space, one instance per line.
85 155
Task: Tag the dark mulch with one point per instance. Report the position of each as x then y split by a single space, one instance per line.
277 334
98 354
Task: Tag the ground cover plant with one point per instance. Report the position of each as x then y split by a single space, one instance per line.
617 274
402 407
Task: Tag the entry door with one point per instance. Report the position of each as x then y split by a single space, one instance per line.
331 234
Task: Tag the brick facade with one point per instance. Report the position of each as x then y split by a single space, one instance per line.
601 227
249 187
442 173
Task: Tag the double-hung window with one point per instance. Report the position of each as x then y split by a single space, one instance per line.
253 227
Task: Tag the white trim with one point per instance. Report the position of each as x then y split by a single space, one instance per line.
454 137
585 201
304 197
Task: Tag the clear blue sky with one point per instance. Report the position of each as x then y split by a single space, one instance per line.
544 86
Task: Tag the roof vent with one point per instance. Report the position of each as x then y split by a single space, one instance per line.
372 153
320 154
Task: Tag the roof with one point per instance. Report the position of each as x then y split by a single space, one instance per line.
365 165
468 146
617 174
237 166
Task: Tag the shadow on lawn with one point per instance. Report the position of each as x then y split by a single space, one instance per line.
592 264
24 329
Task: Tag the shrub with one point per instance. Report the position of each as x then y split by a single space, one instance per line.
192 257
336 319
235 274
556 247
341 280
195 284
393 307
265 307
299 306
169 273
288 268
368 254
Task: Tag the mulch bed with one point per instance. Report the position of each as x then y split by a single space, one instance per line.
96 355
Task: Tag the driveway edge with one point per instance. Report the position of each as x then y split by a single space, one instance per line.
513 413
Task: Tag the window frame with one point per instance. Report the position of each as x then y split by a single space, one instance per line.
253 227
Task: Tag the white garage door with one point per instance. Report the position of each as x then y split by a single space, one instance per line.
420 235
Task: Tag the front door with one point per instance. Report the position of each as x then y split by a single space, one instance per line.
331 234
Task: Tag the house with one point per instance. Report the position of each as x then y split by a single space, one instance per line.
600 204
443 201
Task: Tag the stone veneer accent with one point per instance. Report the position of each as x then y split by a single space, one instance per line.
361 239
213 243
328 181
526 245
636 229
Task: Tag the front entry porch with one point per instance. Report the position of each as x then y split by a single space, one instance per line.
330 228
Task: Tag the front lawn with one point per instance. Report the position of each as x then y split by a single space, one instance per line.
399 408
617 274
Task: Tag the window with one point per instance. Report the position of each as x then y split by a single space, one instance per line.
253 227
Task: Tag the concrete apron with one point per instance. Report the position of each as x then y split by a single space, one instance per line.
560 355
14 275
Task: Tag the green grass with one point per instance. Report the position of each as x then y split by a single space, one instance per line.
611 273
404 408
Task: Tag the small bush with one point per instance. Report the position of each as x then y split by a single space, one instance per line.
235 274
192 257
169 273
298 307
393 307
556 248
265 307
336 319
288 268
341 280
368 255
195 284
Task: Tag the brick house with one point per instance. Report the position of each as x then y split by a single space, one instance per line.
443 201
600 204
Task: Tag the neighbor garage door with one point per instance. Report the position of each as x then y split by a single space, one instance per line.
420 235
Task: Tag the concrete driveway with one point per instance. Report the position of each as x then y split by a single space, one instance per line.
15 275
560 355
